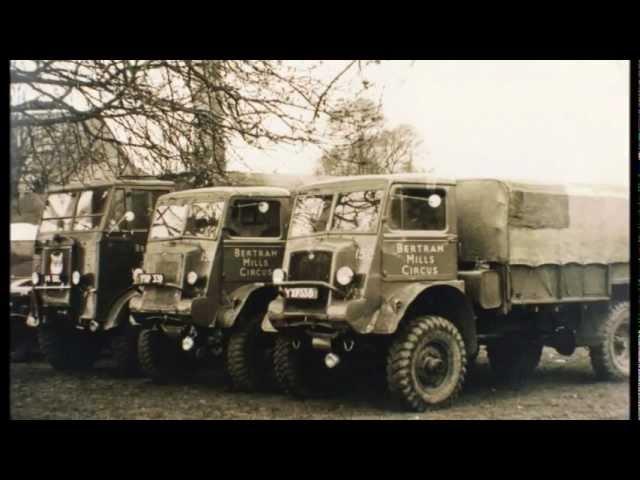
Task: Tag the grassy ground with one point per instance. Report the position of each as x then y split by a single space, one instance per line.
561 388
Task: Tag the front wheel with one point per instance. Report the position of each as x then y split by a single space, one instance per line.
161 358
610 357
249 356
300 370
68 349
23 340
426 364
124 345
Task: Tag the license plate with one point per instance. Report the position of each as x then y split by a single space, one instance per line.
153 278
303 293
52 279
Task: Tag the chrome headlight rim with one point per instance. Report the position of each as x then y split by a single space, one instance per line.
35 278
278 276
192 278
345 275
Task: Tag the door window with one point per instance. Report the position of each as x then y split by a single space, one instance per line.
254 218
139 202
418 208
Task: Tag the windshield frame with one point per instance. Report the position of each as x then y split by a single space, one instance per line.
189 201
334 201
77 194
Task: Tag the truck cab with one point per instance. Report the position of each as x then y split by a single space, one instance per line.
89 239
205 279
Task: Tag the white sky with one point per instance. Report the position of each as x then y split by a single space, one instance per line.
562 121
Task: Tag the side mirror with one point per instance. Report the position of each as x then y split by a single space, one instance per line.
263 207
127 217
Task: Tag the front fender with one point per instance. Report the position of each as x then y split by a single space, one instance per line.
398 299
242 299
446 299
113 318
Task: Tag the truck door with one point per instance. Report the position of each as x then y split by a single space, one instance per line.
419 234
254 241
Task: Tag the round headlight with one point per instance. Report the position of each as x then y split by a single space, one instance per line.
192 278
75 277
35 278
136 273
344 276
278 275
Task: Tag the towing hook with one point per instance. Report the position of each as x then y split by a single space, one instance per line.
348 345
331 360
295 344
32 321
187 343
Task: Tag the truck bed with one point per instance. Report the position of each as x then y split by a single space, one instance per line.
559 243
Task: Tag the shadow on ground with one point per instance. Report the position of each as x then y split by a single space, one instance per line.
562 388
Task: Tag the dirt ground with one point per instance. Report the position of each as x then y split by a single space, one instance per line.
561 388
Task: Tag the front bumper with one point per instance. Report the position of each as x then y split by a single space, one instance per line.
146 306
336 312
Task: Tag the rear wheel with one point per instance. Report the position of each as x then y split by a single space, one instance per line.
300 370
610 357
513 359
66 348
161 358
249 356
426 364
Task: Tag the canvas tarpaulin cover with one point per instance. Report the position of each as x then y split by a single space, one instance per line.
532 227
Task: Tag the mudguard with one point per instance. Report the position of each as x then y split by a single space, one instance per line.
241 299
446 298
113 319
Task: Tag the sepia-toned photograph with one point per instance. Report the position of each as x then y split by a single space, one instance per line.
320 240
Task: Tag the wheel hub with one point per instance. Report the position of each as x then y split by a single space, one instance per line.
620 346
432 365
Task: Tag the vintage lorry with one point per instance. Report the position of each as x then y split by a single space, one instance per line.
423 271
205 282
90 238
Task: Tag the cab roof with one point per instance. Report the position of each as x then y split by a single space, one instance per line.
231 191
121 182
376 180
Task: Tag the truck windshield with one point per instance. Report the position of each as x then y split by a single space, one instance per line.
354 212
310 214
90 209
197 219
357 211
79 210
